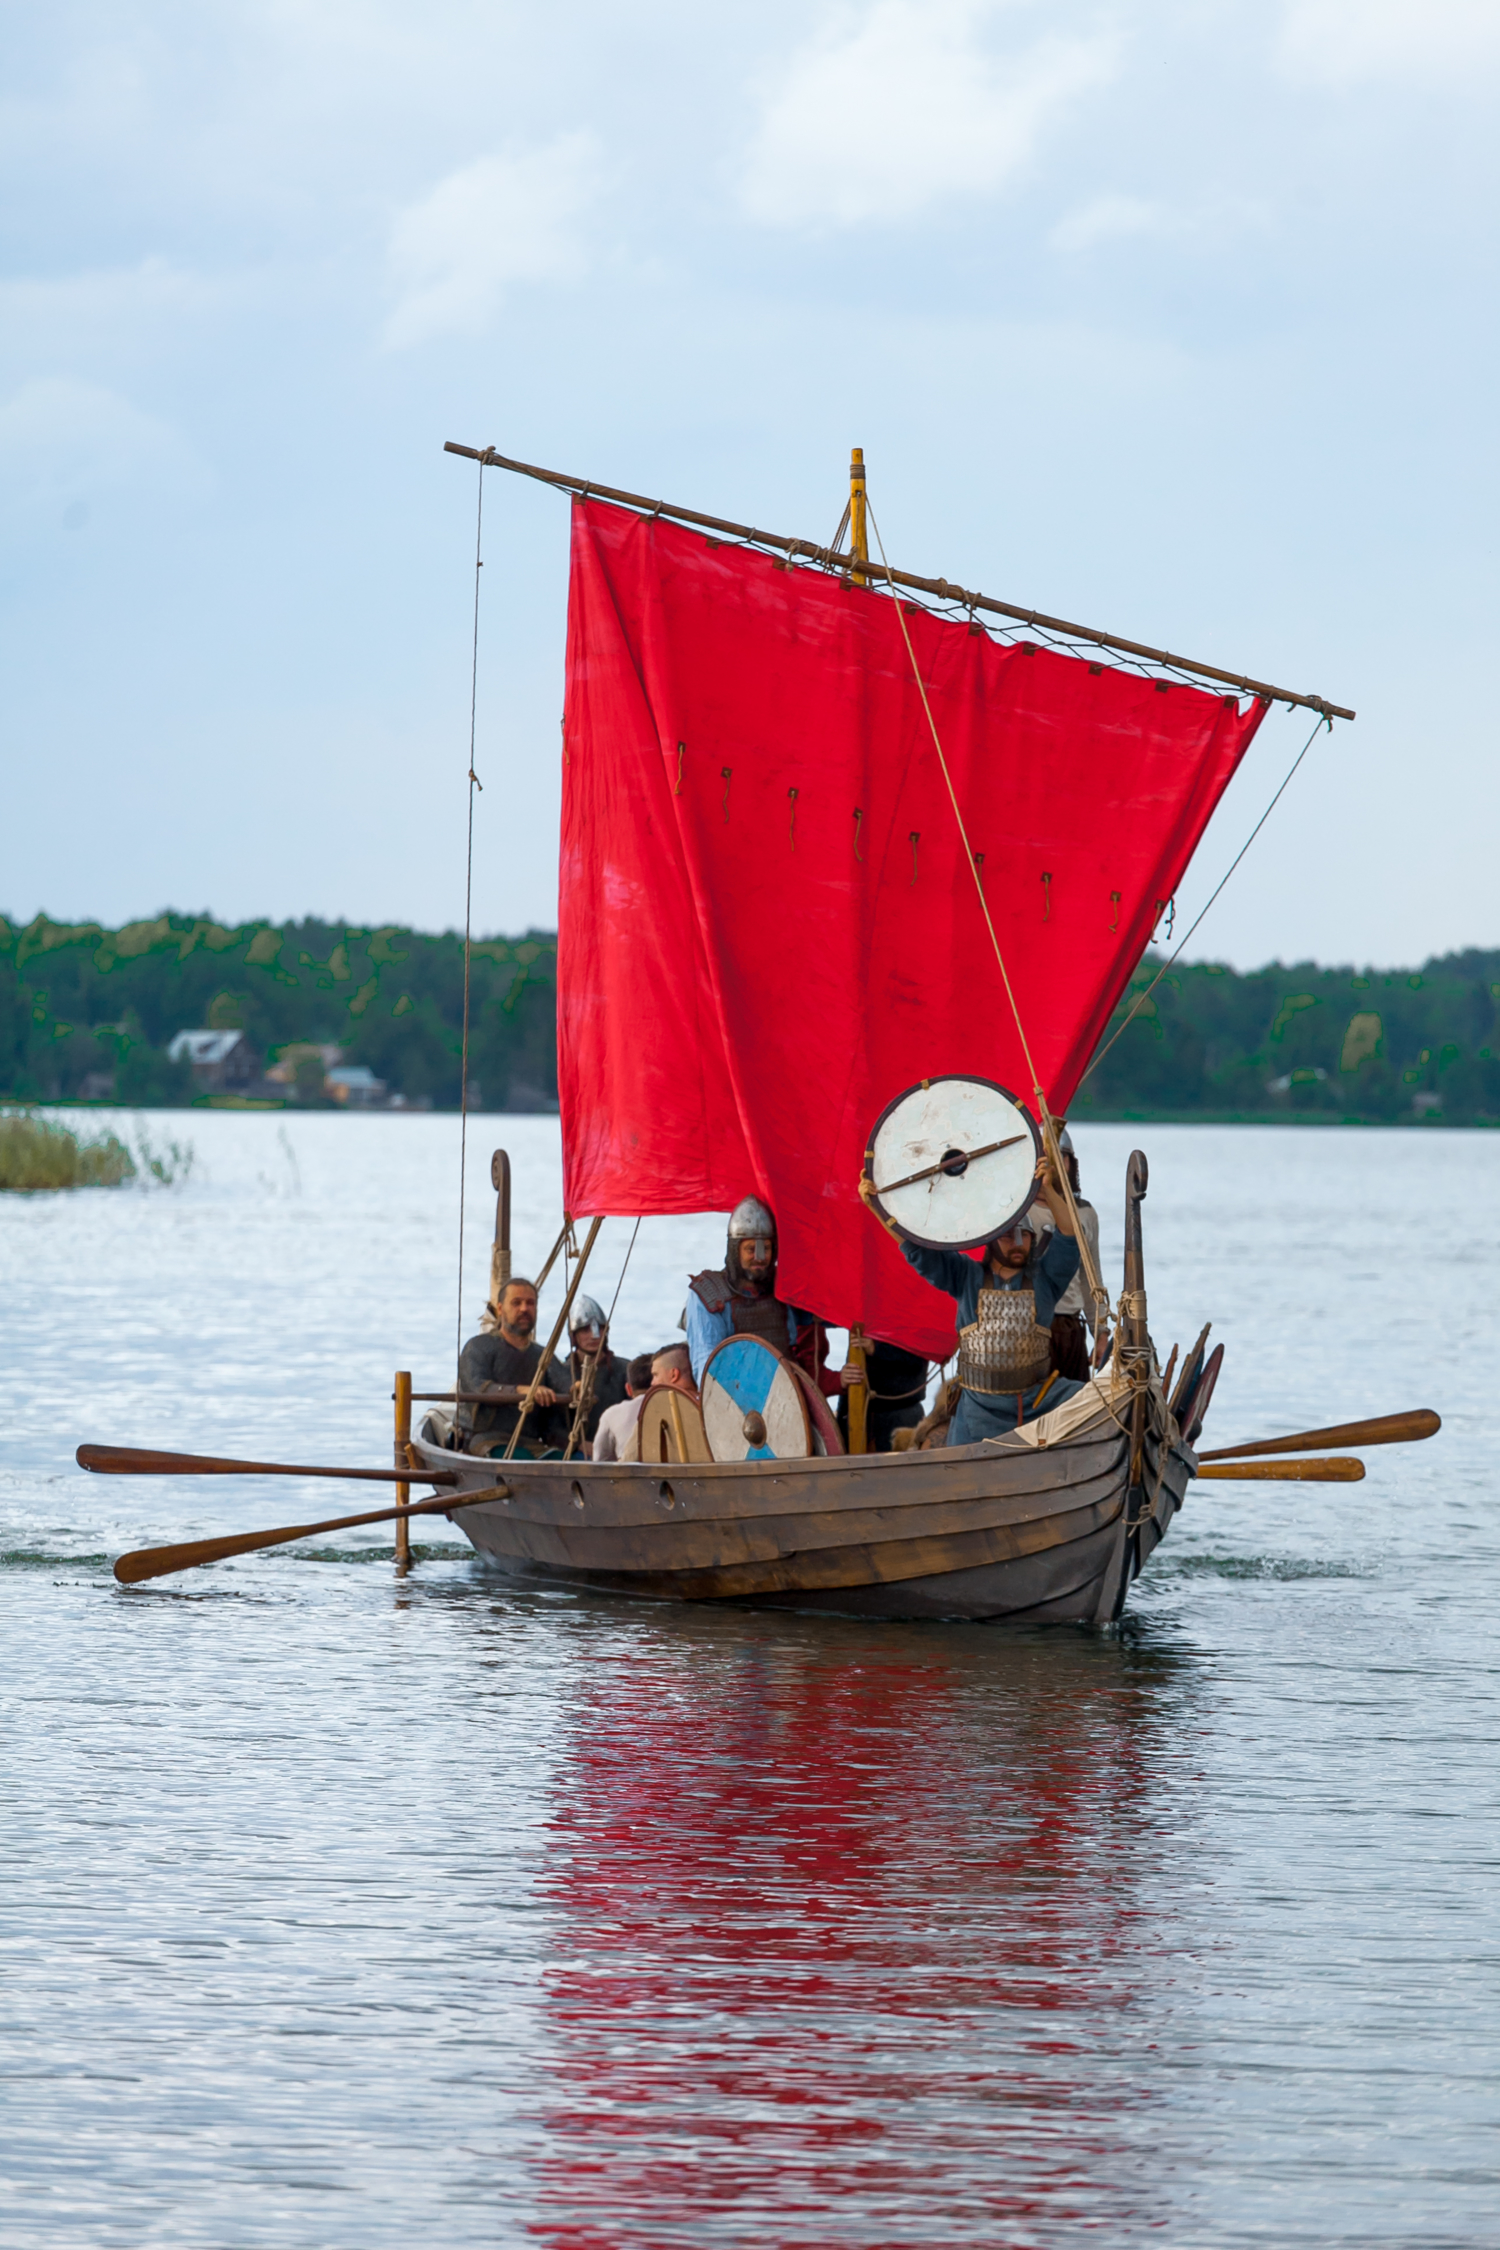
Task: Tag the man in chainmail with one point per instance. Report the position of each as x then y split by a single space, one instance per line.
740 1298
597 1375
1005 1308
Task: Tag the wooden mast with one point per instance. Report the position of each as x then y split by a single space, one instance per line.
859 542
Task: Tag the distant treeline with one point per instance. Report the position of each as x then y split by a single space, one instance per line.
1378 1046
88 1013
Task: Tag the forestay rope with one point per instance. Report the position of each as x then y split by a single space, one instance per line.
1140 1002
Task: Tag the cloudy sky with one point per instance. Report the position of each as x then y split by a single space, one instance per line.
1177 316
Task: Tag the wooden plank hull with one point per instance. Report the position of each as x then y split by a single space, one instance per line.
1008 1531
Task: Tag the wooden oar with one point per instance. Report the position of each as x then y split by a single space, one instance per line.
1339 1469
160 1562
131 1461
1381 1429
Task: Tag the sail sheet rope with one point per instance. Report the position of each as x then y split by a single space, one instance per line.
1057 1169
1141 998
474 784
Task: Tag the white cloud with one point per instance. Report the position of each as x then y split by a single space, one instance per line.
1110 218
1118 218
896 106
1333 42
64 444
502 220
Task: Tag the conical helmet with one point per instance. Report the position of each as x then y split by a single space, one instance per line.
587 1313
749 1219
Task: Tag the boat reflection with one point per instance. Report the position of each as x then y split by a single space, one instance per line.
854 1935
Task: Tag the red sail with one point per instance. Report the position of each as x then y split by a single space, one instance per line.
766 926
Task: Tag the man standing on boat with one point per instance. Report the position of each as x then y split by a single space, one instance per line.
1070 1344
740 1299
1005 1309
502 1363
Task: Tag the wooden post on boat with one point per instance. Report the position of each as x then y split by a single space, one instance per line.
859 538
403 1461
1133 1345
500 1251
859 1393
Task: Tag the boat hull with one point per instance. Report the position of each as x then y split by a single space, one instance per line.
1015 1530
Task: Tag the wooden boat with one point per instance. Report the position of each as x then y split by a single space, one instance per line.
827 726
1043 1527
1048 1525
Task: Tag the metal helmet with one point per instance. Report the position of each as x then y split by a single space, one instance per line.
1065 1142
749 1219
586 1314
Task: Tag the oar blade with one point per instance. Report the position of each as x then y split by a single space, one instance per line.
1326 1469
160 1562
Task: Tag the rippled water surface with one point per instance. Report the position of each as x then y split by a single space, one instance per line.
339 1908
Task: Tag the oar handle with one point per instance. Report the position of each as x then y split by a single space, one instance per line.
1335 1469
161 1562
1380 1429
132 1461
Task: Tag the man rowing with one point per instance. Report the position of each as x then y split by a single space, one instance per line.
739 1299
1005 1309
502 1363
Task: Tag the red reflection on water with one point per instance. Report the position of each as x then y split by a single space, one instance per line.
845 1943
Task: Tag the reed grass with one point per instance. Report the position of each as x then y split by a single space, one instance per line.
36 1155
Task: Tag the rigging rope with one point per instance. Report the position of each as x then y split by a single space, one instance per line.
1055 1165
1140 1003
474 783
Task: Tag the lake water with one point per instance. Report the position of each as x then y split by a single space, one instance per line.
343 1909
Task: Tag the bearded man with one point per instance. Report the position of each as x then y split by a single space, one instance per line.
502 1363
739 1299
1005 1307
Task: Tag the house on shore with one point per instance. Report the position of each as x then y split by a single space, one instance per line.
223 1062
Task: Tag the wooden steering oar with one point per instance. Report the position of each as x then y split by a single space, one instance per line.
1381 1429
160 1562
1327 1469
131 1461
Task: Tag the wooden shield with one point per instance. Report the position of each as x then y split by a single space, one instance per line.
825 1429
953 1161
671 1427
753 1407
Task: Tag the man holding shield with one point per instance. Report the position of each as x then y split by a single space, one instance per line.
1005 1310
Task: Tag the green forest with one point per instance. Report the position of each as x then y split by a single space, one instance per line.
87 1013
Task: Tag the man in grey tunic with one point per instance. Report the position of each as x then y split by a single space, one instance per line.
1005 1309
501 1365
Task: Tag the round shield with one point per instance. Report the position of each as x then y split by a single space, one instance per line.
753 1408
671 1427
953 1161
825 1430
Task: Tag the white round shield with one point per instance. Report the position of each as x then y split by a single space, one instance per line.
953 1161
